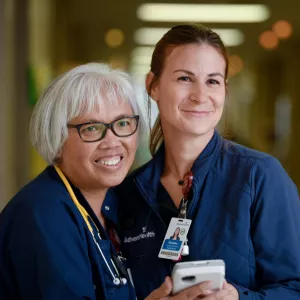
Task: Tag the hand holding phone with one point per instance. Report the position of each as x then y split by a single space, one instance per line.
187 274
164 291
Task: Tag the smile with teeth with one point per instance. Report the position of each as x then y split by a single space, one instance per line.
113 161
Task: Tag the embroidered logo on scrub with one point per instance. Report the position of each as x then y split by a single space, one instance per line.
143 235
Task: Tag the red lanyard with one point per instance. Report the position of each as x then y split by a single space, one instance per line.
113 236
187 184
186 189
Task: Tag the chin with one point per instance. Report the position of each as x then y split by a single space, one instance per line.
198 131
113 181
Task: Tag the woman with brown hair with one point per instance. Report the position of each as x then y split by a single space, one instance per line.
175 235
243 206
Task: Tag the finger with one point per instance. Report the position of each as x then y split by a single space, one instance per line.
225 284
219 295
193 292
229 287
163 291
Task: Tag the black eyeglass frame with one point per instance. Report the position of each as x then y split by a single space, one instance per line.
107 126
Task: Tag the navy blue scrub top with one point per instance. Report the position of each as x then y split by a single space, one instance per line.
244 209
46 249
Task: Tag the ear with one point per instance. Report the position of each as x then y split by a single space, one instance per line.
58 158
151 86
226 86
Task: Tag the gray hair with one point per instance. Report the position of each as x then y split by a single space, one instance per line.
76 93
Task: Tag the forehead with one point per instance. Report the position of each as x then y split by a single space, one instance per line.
106 112
195 58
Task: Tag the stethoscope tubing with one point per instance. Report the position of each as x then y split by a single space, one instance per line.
117 280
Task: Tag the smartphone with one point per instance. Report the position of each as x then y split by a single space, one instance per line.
187 274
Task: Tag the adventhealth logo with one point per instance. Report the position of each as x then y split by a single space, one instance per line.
143 235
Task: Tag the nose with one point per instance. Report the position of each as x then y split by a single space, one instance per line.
198 94
110 140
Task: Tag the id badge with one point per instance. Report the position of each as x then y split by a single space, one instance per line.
174 239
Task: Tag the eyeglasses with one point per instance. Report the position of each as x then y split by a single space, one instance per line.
95 131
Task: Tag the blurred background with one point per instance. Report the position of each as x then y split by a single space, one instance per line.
40 39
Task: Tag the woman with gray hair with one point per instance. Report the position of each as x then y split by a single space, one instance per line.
57 236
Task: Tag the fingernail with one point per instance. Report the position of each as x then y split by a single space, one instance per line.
208 285
208 292
167 282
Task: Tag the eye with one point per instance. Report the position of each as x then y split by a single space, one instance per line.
213 82
123 123
91 128
185 78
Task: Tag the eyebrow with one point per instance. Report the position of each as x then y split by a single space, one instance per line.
184 71
215 74
116 118
191 73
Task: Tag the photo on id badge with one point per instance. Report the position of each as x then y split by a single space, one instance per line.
174 238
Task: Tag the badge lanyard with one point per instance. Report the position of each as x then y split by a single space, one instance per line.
186 183
117 279
174 245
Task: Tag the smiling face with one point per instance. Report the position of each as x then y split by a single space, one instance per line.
190 92
102 164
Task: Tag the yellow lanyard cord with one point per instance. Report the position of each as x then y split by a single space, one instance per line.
116 277
81 209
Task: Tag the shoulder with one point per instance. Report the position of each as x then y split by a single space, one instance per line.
40 193
269 175
265 171
41 201
260 163
42 213
246 168
234 150
237 157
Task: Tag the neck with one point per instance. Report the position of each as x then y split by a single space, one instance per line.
181 153
95 200
94 197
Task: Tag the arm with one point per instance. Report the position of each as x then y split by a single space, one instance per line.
49 253
275 232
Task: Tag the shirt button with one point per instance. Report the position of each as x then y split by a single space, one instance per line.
106 207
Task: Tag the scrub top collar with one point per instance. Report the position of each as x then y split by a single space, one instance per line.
148 176
109 206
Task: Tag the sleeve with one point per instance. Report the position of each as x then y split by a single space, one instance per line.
49 253
275 230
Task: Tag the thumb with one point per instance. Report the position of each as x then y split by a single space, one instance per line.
163 291
225 284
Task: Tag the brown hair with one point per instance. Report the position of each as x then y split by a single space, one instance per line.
177 36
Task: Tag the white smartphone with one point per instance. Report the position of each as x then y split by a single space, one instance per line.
187 274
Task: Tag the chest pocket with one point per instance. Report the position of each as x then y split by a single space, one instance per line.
141 237
225 233
102 278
